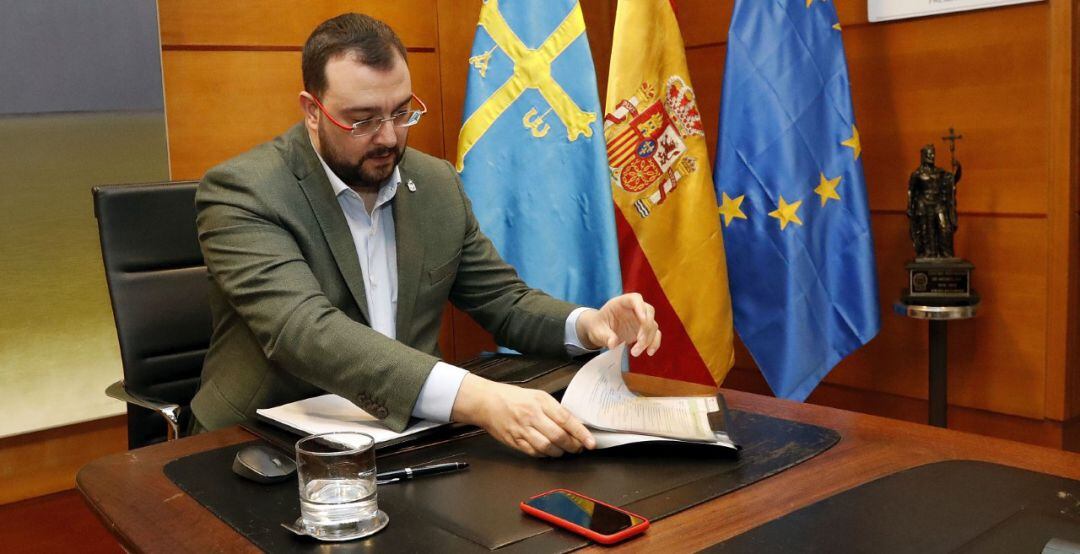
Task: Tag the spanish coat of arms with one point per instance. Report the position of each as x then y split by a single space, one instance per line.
646 136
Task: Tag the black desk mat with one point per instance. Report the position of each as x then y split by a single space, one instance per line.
516 369
477 510
953 506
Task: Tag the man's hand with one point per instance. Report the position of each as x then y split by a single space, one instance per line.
528 420
625 319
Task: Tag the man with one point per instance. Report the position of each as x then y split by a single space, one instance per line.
333 249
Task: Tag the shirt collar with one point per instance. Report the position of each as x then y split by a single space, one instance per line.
386 192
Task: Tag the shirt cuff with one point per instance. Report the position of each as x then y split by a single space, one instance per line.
436 400
570 337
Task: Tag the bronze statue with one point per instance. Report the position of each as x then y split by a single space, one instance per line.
932 205
936 277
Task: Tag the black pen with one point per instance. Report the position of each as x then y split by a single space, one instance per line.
410 472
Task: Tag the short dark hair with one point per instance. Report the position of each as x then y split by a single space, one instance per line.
372 41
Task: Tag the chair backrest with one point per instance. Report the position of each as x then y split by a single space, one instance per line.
158 287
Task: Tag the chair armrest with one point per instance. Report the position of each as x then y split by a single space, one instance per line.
168 410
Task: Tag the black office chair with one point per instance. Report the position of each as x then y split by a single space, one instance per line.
158 287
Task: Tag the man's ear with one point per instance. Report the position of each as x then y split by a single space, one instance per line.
310 110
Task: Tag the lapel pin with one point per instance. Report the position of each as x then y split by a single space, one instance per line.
411 185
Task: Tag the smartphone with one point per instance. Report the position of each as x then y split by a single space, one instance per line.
585 516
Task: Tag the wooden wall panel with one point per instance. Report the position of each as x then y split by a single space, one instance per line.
283 23
221 103
704 22
1063 340
599 18
910 84
427 135
45 462
457 27
706 66
996 361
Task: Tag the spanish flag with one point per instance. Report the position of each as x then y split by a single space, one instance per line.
670 245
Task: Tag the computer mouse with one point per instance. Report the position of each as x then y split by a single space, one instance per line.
263 464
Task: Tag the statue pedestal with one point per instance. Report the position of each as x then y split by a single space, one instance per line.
939 282
939 317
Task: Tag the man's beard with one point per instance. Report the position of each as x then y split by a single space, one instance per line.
353 174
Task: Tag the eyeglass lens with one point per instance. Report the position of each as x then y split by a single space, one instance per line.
400 119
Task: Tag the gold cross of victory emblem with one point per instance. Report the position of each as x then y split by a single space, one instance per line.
532 70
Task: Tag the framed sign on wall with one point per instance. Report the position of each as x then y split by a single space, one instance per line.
884 10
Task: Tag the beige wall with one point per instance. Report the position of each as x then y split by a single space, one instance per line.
58 348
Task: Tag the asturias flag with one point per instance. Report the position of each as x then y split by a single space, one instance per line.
669 237
792 194
531 150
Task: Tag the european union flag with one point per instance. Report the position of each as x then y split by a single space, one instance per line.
792 194
531 150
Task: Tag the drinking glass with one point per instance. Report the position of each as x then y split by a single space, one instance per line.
338 500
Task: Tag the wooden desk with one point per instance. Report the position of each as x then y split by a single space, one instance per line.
148 513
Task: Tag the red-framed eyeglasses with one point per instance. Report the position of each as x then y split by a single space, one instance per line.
370 126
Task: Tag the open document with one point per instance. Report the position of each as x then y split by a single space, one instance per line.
600 399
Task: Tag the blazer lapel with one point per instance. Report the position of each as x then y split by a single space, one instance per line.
410 249
328 212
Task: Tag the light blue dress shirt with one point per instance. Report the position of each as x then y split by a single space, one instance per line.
376 248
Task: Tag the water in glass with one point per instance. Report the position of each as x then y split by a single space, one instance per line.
338 507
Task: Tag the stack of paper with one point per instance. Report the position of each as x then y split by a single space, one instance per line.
331 413
597 396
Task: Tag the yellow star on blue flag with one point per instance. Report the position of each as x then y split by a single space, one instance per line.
729 208
826 189
787 213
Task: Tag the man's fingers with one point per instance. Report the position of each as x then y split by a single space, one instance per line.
640 341
642 327
655 344
532 422
645 337
607 337
580 433
524 446
644 311
558 436
553 423
571 425
542 444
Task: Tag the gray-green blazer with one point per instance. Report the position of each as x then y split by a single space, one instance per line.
287 294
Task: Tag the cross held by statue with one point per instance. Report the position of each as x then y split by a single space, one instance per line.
951 138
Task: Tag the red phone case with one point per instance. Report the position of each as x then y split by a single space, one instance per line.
587 533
